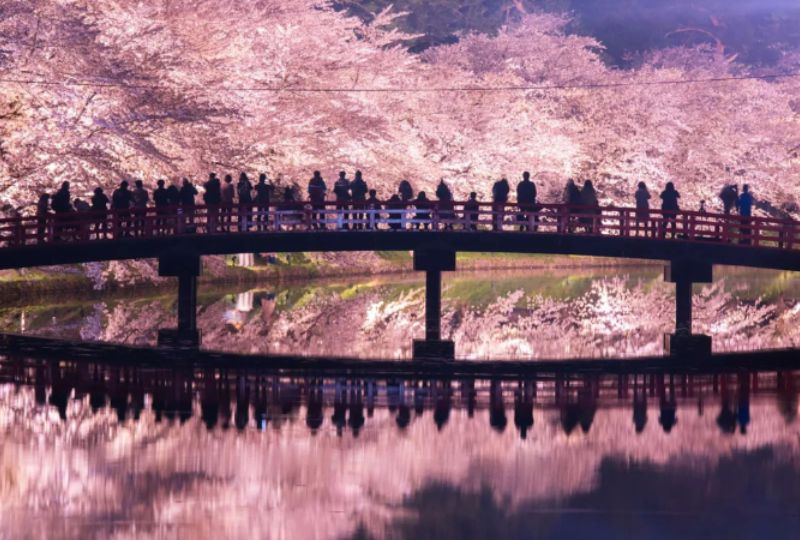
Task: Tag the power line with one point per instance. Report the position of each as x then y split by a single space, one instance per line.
511 88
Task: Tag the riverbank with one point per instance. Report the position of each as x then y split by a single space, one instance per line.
51 284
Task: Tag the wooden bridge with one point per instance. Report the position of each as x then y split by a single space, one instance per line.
689 242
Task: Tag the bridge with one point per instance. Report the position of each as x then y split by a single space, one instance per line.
181 382
689 242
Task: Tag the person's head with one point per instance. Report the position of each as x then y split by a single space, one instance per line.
394 198
504 180
342 174
44 197
358 175
570 182
746 188
588 185
373 193
317 175
243 177
139 184
185 181
670 186
526 175
160 183
473 196
703 203
262 178
642 185
228 179
212 176
98 191
65 186
422 195
124 184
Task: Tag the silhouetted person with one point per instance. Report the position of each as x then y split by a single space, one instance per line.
526 199
263 195
572 199
42 211
406 191
423 214
227 193
161 202
745 205
173 196
396 209
729 195
500 191
100 210
316 194
669 209
212 197
590 207
374 208
642 197
244 191
445 204
61 202
187 193
121 199
472 212
341 190
140 200
358 193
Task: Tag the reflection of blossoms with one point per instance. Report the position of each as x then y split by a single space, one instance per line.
151 479
614 317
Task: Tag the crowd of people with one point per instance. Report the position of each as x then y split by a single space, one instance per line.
358 206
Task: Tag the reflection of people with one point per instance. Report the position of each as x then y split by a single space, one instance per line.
314 412
497 409
443 404
668 407
743 409
523 408
639 406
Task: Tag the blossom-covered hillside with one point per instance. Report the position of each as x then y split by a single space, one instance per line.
97 91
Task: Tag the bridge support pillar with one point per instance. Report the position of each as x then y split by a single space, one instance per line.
684 273
186 267
433 262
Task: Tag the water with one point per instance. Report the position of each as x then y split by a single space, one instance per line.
590 313
97 448
96 451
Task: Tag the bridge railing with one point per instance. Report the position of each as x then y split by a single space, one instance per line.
468 217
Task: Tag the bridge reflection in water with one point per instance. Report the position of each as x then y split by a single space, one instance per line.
98 448
251 398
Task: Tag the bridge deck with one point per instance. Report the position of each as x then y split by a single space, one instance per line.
293 227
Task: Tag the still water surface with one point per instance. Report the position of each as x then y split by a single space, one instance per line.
95 450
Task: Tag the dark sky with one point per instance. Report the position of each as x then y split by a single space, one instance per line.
755 31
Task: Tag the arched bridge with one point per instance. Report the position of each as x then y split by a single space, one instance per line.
691 242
